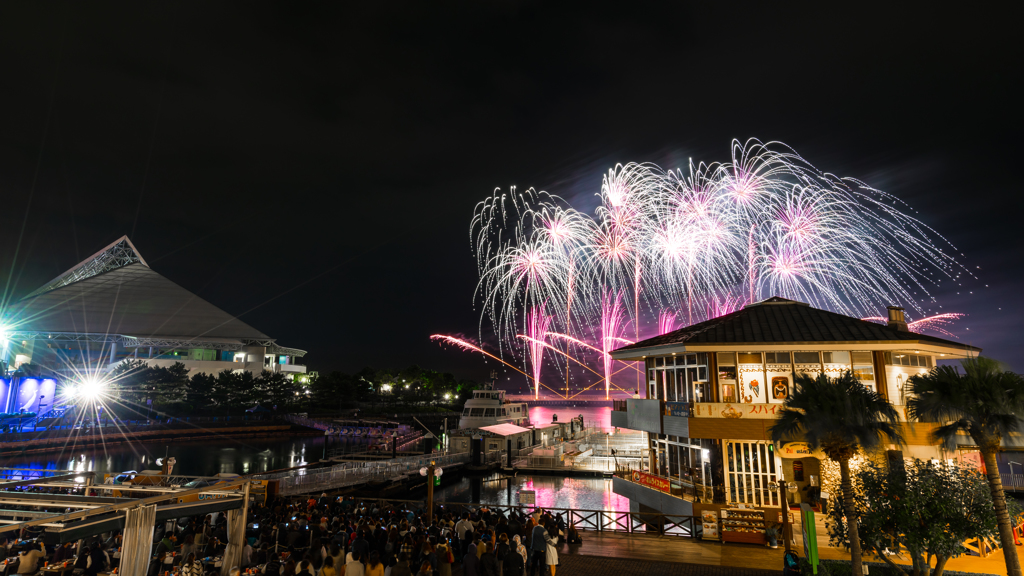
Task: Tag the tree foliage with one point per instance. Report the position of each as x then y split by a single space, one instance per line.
925 509
986 402
840 416
174 391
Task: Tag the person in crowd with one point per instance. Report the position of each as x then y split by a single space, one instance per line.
401 567
188 545
573 536
470 561
551 556
83 560
289 566
500 551
62 553
328 568
488 562
190 566
444 559
305 568
30 560
273 566
515 560
355 566
538 550
374 567
338 555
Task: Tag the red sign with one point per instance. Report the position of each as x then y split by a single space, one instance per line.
651 481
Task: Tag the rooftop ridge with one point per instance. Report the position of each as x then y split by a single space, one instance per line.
117 254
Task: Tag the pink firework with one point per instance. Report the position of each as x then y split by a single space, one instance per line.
666 322
725 305
936 323
537 324
612 323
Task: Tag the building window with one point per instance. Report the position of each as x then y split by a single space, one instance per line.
489 412
906 359
806 358
863 368
777 357
750 358
477 412
836 358
751 468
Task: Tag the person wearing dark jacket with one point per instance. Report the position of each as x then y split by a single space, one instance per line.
401 568
470 565
488 562
513 563
538 550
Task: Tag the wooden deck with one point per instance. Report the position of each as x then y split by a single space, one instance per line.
687 551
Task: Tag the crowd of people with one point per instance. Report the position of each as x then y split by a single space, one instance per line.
331 536
339 536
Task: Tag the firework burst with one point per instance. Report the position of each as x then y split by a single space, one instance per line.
666 248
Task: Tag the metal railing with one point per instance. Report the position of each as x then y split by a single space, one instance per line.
1012 481
587 520
352 473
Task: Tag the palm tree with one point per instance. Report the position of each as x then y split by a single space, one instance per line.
838 416
986 403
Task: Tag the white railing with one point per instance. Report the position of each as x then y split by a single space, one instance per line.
352 473
1012 480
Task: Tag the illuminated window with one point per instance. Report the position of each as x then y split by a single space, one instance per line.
750 358
836 357
908 359
750 469
806 358
863 368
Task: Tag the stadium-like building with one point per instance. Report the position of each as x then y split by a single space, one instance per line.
113 306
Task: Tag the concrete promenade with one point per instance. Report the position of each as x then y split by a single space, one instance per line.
761 560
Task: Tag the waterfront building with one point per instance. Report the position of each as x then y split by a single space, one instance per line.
713 390
113 306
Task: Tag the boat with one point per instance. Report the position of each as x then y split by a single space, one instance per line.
489 406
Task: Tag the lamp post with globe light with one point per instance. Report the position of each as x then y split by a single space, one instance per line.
782 486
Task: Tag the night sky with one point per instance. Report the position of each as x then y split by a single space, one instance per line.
313 167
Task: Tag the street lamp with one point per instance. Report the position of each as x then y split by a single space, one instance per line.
782 487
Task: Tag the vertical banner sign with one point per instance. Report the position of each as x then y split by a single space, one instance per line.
810 536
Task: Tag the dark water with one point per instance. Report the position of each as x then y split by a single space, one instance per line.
199 458
247 456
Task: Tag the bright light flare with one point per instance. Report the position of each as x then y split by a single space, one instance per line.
90 389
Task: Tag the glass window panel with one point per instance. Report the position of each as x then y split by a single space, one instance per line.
691 359
862 357
659 361
806 358
750 358
726 372
835 357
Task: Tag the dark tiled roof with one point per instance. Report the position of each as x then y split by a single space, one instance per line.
778 321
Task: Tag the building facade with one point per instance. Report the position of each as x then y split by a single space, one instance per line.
112 307
714 389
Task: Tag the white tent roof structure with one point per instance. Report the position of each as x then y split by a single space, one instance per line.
505 429
114 293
